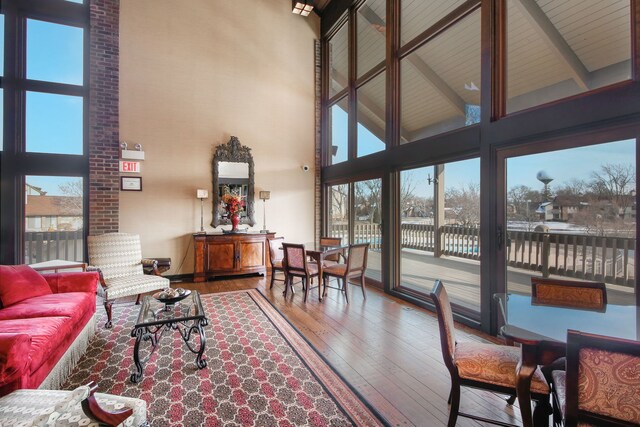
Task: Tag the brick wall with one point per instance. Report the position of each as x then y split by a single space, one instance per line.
318 141
104 181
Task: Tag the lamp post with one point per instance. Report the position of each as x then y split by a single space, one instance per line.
202 194
264 196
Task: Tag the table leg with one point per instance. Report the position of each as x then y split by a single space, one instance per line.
139 333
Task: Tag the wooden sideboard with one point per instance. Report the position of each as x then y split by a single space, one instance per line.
230 254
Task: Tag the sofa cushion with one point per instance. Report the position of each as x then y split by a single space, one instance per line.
68 304
12 348
47 334
20 282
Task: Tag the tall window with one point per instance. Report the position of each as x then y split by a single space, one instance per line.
448 90
44 157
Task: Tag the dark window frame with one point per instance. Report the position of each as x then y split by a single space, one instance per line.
15 162
599 112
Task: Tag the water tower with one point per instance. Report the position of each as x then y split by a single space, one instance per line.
545 178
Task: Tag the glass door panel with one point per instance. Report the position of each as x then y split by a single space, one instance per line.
571 214
367 226
338 219
440 226
54 220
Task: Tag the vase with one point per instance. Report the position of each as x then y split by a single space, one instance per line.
235 220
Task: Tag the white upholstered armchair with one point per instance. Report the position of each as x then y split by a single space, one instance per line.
118 258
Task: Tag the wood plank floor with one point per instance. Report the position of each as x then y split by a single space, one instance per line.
388 349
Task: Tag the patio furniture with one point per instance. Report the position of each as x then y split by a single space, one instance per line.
118 259
354 267
296 265
601 385
478 365
276 256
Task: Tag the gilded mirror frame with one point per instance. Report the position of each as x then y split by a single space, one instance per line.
233 151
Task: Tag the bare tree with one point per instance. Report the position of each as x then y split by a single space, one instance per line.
465 202
339 200
368 196
614 182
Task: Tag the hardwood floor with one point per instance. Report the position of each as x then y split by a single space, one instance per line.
388 349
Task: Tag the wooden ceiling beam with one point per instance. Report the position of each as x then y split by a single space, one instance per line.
554 40
425 71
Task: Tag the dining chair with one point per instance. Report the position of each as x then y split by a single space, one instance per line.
477 365
276 256
331 259
118 259
601 385
296 265
354 267
569 293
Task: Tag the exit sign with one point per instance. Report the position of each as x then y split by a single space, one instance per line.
131 167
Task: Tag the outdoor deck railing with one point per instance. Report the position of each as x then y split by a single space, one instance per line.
42 246
608 259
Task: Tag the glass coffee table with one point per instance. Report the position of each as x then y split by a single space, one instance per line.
156 317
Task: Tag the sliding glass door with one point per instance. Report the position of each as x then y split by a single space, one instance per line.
571 214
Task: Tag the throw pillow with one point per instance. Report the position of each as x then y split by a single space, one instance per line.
19 282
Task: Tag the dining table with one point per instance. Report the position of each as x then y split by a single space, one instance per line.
541 331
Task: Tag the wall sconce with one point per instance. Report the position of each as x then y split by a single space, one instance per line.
334 150
202 194
430 180
302 7
264 196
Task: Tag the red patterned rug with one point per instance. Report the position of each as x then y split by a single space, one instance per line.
260 371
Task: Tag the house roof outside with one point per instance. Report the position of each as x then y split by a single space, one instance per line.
53 206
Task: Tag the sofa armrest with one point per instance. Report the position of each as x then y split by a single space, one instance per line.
14 355
73 282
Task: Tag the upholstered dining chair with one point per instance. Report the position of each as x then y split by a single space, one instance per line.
118 259
354 267
297 265
601 385
569 293
331 259
478 365
276 256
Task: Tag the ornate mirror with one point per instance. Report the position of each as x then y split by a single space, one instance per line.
232 173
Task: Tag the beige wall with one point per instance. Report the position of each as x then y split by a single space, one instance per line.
193 73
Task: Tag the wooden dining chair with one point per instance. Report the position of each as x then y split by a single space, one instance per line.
297 265
569 293
354 267
276 256
331 259
601 385
478 365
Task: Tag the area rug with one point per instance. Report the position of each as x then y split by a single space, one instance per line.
260 371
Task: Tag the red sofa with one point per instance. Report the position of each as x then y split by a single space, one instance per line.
46 322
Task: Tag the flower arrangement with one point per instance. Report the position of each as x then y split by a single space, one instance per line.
234 203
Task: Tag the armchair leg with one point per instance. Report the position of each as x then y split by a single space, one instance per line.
345 282
273 278
138 299
364 294
108 306
306 288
